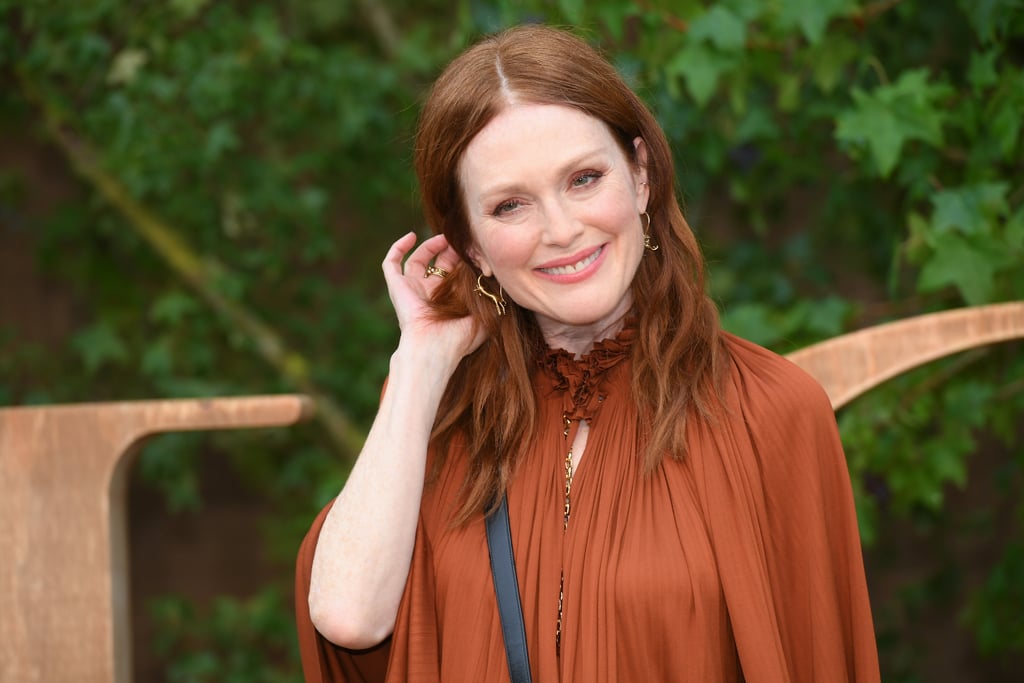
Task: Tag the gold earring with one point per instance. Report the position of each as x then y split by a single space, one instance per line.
499 301
649 242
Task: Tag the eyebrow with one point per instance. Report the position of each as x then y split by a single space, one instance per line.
564 169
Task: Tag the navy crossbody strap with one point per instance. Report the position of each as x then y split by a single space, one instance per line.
506 589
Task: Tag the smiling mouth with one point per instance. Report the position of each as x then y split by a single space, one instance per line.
574 268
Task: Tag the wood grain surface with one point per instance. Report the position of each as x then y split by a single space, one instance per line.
63 566
850 365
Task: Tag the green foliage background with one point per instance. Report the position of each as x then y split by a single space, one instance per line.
243 166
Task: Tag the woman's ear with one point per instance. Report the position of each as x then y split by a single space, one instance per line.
479 263
643 191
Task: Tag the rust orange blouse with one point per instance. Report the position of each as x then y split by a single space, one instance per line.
740 562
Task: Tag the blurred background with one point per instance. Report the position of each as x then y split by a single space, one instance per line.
196 195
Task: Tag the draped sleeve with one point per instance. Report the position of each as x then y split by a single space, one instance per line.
778 502
322 660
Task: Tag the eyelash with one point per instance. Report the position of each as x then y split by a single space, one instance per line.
593 175
513 204
507 205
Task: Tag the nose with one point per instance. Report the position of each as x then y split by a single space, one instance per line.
561 226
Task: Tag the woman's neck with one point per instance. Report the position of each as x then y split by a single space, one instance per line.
580 339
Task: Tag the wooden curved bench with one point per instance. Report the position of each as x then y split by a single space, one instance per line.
63 567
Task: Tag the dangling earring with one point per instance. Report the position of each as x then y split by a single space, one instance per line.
649 242
499 301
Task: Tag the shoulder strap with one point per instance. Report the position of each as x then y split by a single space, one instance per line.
506 589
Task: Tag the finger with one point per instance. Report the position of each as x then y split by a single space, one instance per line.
447 259
396 254
425 253
445 263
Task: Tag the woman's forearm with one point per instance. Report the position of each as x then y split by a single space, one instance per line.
365 548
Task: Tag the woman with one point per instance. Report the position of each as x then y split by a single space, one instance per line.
680 507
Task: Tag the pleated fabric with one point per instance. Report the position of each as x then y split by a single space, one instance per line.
739 562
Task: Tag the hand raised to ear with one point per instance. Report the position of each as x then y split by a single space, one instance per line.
410 287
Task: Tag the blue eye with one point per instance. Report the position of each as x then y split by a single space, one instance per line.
585 178
506 206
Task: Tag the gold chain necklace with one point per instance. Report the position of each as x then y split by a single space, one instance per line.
565 526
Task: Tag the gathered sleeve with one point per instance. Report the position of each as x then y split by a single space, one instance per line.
780 510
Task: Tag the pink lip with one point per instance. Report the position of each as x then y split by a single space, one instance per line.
569 278
570 260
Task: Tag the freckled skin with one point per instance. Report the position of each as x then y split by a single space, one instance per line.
554 207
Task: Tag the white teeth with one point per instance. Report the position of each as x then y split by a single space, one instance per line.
575 268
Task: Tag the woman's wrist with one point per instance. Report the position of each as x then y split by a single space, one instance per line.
426 361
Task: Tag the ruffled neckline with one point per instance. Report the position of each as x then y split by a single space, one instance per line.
580 379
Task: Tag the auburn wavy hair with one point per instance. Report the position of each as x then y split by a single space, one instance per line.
489 408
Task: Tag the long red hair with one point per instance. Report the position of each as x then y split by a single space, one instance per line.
489 406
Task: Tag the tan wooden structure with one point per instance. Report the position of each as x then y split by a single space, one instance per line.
64 612
850 365
63 557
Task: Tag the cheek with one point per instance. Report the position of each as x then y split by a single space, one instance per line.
616 215
504 248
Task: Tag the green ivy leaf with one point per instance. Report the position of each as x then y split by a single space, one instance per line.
988 17
171 308
971 209
763 325
969 401
948 463
700 67
886 118
811 16
747 10
721 28
827 316
615 16
1004 114
758 124
99 345
968 264
572 10
981 71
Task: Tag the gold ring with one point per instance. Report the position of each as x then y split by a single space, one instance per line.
434 270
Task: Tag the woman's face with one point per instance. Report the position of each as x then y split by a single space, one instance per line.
554 209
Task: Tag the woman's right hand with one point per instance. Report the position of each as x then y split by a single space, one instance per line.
411 289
